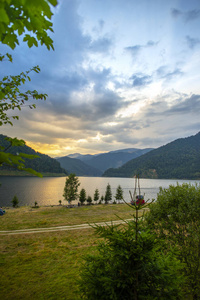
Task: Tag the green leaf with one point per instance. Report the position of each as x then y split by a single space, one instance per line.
4 17
53 2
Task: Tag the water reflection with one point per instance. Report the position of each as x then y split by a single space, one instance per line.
49 190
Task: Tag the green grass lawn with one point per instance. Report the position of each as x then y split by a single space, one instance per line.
46 265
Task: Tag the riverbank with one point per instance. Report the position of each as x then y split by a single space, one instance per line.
17 173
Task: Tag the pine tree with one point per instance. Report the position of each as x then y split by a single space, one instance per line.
119 193
108 194
96 195
82 196
89 200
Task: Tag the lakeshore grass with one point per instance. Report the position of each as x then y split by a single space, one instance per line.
46 265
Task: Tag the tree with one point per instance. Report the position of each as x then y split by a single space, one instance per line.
15 201
89 200
108 194
130 265
71 188
119 193
21 18
96 195
174 217
102 199
82 196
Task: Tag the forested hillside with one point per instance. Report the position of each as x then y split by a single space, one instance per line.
114 158
43 164
179 159
73 165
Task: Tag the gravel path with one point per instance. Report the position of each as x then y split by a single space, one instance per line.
59 228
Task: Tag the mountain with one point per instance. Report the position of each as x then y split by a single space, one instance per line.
80 156
111 159
74 165
43 164
179 159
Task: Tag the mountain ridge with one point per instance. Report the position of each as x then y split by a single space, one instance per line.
98 163
42 164
179 159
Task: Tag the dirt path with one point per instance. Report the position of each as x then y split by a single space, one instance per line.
59 228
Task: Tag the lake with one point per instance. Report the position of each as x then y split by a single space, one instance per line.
49 190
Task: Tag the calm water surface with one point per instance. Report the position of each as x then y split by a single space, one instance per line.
49 190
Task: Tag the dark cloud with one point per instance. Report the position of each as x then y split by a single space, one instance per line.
163 72
135 50
141 80
191 15
188 105
101 45
187 16
176 13
192 42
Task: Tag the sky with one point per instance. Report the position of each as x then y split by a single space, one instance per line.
124 74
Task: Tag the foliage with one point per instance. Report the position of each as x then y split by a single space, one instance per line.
175 218
21 18
108 194
15 201
71 188
12 98
82 196
96 195
89 200
129 265
178 159
119 193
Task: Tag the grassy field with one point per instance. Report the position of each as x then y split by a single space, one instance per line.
46 265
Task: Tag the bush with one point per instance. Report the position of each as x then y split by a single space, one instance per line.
174 217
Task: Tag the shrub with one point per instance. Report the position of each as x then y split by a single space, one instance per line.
174 217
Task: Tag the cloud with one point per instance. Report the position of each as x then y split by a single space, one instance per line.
141 80
176 13
191 15
165 73
192 42
101 45
98 29
188 105
187 16
135 50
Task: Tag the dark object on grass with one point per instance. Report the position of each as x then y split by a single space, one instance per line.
2 212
